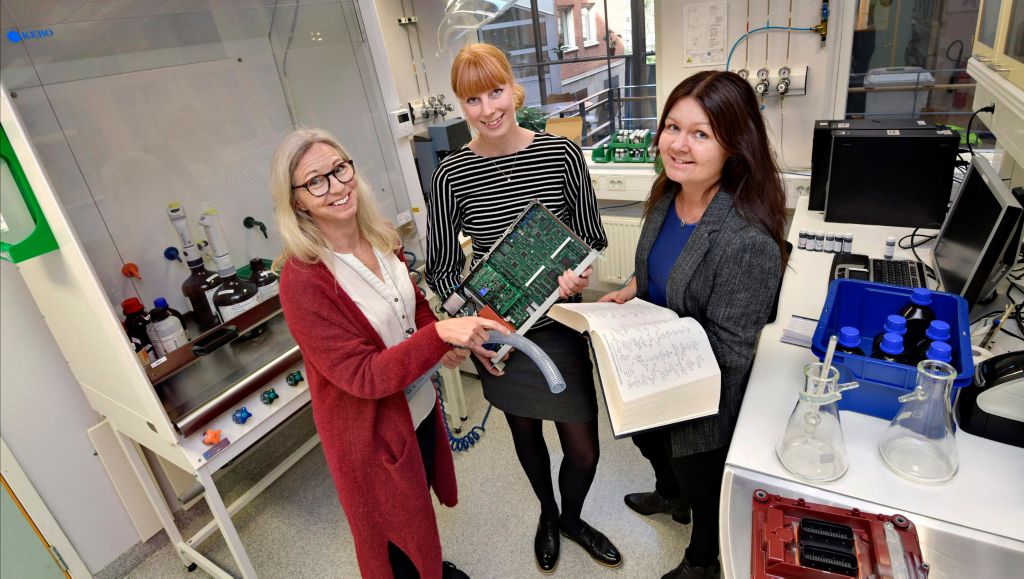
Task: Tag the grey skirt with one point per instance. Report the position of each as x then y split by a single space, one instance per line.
522 391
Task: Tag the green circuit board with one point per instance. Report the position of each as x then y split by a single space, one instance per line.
521 271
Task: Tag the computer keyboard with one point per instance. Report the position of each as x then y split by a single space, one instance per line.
898 272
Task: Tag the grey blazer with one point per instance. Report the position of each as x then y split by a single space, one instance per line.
726 278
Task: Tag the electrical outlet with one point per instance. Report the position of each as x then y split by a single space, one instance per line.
408 20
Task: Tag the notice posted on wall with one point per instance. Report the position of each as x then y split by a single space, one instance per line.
704 26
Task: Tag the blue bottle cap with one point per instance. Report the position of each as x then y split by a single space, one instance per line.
921 296
896 324
938 330
940 351
160 303
892 343
849 337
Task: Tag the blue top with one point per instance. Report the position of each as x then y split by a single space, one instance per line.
670 243
896 323
938 330
160 303
892 344
921 296
940 351
849 337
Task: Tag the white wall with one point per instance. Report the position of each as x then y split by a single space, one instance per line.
416 75
790 121
43 418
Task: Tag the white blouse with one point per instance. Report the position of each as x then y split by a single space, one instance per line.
390 307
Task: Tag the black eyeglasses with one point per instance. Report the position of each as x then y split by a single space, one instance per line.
319 185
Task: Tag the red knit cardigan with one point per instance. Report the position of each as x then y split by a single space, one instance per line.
363 418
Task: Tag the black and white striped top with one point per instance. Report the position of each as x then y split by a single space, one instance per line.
481 196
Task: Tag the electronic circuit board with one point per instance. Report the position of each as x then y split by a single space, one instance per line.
517 280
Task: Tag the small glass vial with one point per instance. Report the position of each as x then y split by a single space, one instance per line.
848 243
830 242
802 244
890 247
819 241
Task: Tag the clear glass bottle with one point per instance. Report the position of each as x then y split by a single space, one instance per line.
235 295
919 444
813 447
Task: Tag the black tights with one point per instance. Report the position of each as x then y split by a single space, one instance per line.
580 451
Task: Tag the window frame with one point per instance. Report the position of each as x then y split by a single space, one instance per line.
589 22
567 26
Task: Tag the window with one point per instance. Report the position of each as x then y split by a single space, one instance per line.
587 58
566 30
922 46
589 18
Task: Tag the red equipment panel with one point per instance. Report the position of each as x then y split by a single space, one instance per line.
796 539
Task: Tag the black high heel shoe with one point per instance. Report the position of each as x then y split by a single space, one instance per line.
546 546
595 544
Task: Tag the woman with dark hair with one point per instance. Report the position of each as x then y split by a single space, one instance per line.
711 248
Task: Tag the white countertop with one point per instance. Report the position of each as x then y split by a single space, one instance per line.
987 494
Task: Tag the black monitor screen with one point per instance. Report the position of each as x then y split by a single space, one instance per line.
969 226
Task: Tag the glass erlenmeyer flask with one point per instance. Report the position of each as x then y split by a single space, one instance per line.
813 447
919 443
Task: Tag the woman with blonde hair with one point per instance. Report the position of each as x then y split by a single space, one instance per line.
479 190
367 336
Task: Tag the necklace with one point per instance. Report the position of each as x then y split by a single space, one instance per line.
409 330
507 176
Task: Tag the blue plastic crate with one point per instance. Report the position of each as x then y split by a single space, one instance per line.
865 305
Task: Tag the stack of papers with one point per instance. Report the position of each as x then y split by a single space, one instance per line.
800 331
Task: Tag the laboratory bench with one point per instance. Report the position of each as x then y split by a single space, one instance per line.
972 525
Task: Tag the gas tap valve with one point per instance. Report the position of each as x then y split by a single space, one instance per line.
250 222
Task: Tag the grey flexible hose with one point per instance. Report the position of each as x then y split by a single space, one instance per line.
547 367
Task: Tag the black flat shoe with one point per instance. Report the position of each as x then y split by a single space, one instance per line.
654 503
595 544
687 571
450 571
546 546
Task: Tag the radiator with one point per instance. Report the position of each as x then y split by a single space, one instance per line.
623 235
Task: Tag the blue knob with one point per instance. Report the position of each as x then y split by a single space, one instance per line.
269 396
241 415
171 254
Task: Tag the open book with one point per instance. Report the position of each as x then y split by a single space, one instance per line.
655 367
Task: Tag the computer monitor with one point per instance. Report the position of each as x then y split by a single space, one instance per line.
981 238
821 148
891 177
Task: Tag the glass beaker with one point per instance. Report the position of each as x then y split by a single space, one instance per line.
813 447
919 443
